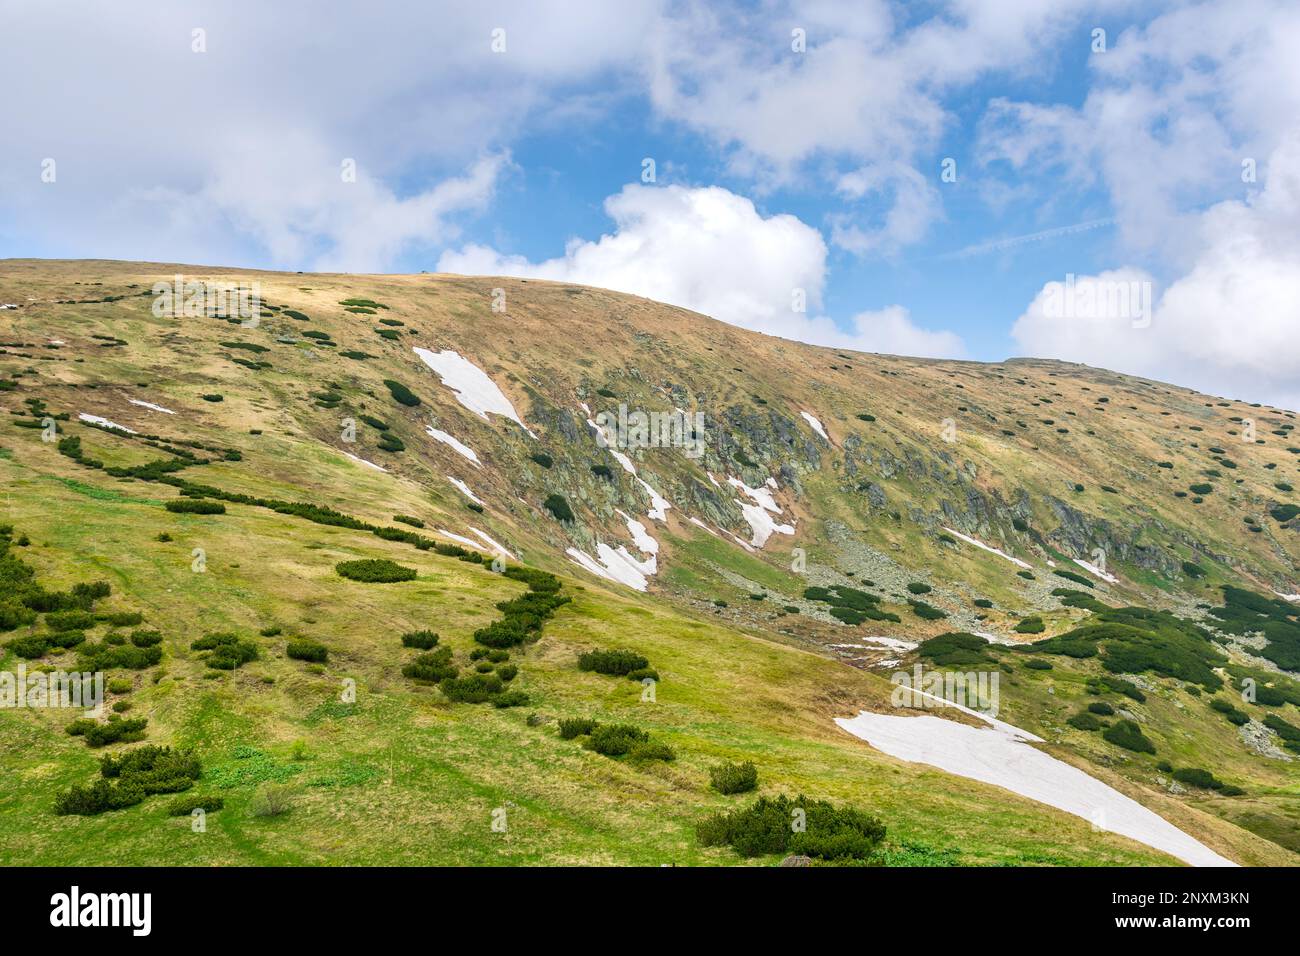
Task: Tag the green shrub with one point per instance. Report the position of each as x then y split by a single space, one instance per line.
195 506
1102 708
615 740
421 639
507 672
651 750
830 832
1031 625
571 727
1072 576
955 648
69 620
1232 713
1127 734
213 397
616 662
30 647
916 587
1193 570
1084 721
510 698
408 519
435 666
184 806
643 673
146 638
401 394
543 459
471 689
983 602
733 777
226 651
374 571
559 507
1196 777
115 731
926 611
303 649
1038 664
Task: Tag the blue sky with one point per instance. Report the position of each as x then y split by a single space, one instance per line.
215 133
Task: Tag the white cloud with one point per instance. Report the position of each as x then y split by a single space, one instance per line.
712 251
1227 325
233 155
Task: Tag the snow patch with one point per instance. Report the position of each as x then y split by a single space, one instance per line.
892 642
491 544
615 565
759 514
659 505
1002 756
468 542
816 426
989 548
1096 571
364 462
96 420
454 442
464 489
471 384
151 406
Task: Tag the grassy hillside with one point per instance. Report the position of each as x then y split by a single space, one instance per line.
747 661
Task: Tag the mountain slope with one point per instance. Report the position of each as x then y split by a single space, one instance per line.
877 468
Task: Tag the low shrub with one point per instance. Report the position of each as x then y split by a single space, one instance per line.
1031 625
184 806
115 731
1102 708
471 689
374 571
303 649
926 611
1038 664
733 777
652 750
916 587
615 740
435 666
195 506
830 832
401 394
1084 721
558 506
424 640
571 727
510 698
617 662
146 638
1127 734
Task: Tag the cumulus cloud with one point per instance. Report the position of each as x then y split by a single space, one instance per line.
226 147
712 251
1227 324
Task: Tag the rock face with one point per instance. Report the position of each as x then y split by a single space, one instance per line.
795 860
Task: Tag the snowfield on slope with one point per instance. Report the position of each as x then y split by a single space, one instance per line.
816 426
364 462
987 547
1001 755
96 420
759 514
151 406
464 489
454 442
471 384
